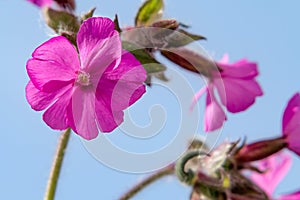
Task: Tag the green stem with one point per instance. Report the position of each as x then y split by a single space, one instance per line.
152 178
56 166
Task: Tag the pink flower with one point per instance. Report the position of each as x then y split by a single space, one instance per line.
291 124
88 91
41 3
275 167
237 89
292 196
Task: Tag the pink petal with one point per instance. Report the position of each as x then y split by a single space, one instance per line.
224 59
240 69
291 123
119 95
198 95
237 94
129 69
292 133
82 118
99 45
137 94
276 167
41 3
122 86
293 196
214 115
118 88
107 119
290 110
53 65
38 100
56 115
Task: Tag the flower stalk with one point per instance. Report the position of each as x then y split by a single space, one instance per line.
152 178
57 164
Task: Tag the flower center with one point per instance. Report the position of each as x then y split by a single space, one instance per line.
83 78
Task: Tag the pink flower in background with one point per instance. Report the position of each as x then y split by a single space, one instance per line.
41 3
214 116
237 90
275 168
291 124
292 196
88 91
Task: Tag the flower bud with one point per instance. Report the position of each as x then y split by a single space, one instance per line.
260 150
166 23
190 60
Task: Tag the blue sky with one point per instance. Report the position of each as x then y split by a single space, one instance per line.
266 32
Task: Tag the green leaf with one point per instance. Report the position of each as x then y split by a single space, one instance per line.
193 36
150 64
161 76
153 68
87 15
161 30
181 38
150 11
61 21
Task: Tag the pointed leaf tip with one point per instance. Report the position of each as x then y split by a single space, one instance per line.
149 12
89 14
117 25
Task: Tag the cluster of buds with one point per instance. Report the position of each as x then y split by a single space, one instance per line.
220 173
215 175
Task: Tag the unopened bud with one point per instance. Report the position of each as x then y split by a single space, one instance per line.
190 60
166 23
260 150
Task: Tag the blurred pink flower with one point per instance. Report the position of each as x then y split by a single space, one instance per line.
41 3
292 196
86 91
291 124
275 168
237 90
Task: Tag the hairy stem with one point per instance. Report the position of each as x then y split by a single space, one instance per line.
56 166
147 181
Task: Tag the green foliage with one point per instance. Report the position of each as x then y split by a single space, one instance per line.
87 15
181 38
61 21
150 64
150 11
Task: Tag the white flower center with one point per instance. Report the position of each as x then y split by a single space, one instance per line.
83 78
